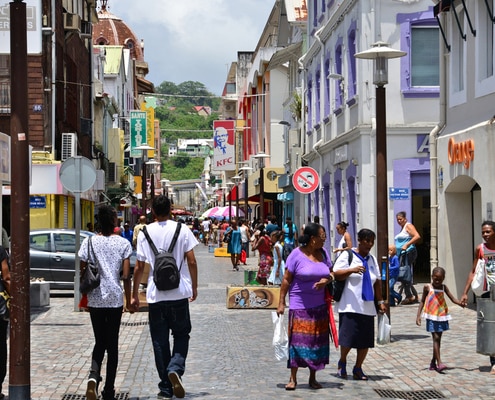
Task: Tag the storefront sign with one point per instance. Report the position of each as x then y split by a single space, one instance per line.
37 201
398 193
461 153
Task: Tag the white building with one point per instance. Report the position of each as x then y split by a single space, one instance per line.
466 144
340 116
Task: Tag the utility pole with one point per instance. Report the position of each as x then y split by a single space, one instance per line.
20 333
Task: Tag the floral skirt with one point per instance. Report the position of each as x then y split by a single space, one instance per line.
265 266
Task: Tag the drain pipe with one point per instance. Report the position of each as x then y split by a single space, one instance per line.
434 157
320 169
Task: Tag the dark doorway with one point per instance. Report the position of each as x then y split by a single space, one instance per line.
421 219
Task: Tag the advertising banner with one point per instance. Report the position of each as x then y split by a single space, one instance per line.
138 131
224 146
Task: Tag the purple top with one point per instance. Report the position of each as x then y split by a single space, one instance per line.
305 274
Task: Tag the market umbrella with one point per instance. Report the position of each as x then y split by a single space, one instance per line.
225 212
210 212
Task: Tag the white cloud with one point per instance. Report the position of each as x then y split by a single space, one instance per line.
194 39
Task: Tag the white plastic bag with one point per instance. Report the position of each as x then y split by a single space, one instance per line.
383 329
280 337
478 282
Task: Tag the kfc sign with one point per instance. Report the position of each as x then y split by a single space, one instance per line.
224 145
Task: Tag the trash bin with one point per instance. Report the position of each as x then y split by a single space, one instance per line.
485 337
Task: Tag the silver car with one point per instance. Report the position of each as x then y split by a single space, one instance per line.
52 255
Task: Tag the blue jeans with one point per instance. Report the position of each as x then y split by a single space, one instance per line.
165 317
393 294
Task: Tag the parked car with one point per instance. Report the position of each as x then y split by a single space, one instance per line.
52 256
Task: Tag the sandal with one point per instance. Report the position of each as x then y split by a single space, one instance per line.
291 385
358 374
441 367
341 371
315 384
433 365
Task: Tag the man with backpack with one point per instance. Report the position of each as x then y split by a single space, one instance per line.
169 307
290 237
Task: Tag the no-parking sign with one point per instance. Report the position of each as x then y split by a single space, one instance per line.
305 180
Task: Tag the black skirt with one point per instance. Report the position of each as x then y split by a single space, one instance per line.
356 331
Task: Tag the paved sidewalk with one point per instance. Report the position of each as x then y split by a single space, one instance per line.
231 356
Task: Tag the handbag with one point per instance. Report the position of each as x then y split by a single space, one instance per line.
91 277
336 288
227 237
280 338
405 271
478 284
4 302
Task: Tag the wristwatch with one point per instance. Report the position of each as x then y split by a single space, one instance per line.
380 302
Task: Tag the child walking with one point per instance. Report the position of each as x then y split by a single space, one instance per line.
433 307
278 268
393 262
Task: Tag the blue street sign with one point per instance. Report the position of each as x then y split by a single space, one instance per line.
398 193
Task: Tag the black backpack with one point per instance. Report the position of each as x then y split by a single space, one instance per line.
166 275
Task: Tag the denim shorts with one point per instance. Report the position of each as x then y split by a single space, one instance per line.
436 326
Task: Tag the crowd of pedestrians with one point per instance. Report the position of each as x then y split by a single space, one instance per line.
297 261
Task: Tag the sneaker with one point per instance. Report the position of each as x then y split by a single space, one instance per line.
163 396
177 386
91 392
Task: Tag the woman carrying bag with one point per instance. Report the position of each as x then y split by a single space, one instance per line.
106 302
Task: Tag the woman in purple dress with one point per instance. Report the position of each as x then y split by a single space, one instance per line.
307 272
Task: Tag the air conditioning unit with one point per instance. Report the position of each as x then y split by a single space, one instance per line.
72 22
69 145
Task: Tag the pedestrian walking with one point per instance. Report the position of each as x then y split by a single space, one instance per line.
106 302
137 229
356 307
393 263
278 268
262 243
345 241
309 332
168 309
486 251
434 309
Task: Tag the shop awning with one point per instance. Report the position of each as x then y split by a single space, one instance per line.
291 52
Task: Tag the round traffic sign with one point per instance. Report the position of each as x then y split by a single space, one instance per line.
77 174
305 180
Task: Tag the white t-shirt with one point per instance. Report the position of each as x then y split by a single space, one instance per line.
161 234
206 225
110 252
351 300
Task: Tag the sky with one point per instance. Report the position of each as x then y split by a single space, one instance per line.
193 40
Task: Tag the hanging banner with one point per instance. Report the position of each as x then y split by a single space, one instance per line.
224 146
138 131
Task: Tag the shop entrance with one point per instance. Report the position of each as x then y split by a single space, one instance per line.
421 219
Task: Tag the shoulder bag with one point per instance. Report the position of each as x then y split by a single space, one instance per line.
478 284
90 278
336 288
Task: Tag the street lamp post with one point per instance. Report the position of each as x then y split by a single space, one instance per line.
380 53
144 148
245 170
261 157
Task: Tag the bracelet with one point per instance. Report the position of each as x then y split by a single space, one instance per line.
332 277
380 302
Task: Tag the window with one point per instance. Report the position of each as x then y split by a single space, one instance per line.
425 69
420 67
317 101
4 84
485 78
327 89
339 94
457 73
351 73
